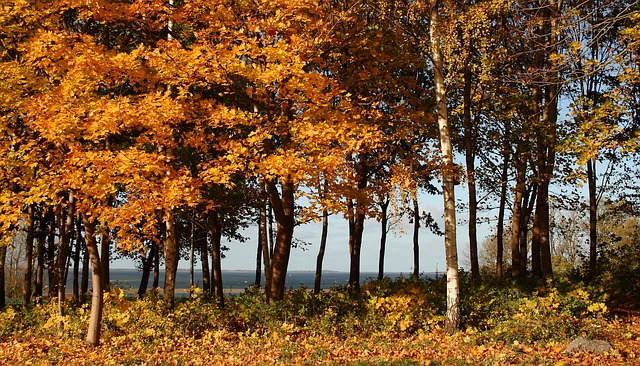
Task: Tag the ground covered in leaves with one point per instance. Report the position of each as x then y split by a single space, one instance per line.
395 322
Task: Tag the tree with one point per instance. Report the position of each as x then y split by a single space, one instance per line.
618 264
3 257
95 318
323 243
449 171
384 229
598 119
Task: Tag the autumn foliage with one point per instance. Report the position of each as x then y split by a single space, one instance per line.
393 321
124 123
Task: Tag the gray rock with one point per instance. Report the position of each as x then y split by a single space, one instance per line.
582 344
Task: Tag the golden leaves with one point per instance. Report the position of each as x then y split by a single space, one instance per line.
156 123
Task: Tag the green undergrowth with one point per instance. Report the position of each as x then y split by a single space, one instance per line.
522 312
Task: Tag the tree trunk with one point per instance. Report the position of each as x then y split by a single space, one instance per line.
452 318
263 234
28 260
469 148
105 252
593 212
516 222
76 260
84 283
522 235
215 230
42 237
550 116
546 161
257 281
525 217
204 259
416 232
52 273
272 236
502 206
536 266
170 260
356 225
542 225
65 237
356 229
323 244
147 263
384 228
546 137
95 318
3 258
156 270
192 255
283 209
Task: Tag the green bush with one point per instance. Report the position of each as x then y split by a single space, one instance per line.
510 314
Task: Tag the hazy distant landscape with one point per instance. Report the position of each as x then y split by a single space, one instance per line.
130 278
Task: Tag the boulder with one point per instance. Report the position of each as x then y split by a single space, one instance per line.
582 344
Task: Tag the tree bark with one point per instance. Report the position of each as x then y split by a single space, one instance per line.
542 225
65 237
257 281
469 149
283 209
546 161
28 260
452 317
204 259
95 318
170 260
528 204
76 260
524 229
546 137
356 228
3 259
84 283
147 263
356 225
105 253
215 230
416 233
192 250
550 116
52 273
264 242
323 244
593 218
156 270
384 224
516 222
501 209
42 237
536 262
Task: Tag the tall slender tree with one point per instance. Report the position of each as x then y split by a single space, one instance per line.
449 171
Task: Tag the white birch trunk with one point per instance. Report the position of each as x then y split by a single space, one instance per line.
452 320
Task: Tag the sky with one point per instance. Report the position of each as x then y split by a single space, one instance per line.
399 252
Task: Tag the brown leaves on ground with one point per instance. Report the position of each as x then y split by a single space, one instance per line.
221 347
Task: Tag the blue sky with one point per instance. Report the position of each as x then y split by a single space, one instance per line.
399 254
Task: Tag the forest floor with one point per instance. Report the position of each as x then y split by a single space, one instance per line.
381 328
304 348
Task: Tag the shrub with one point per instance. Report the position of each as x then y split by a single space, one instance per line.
509 314
405 305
